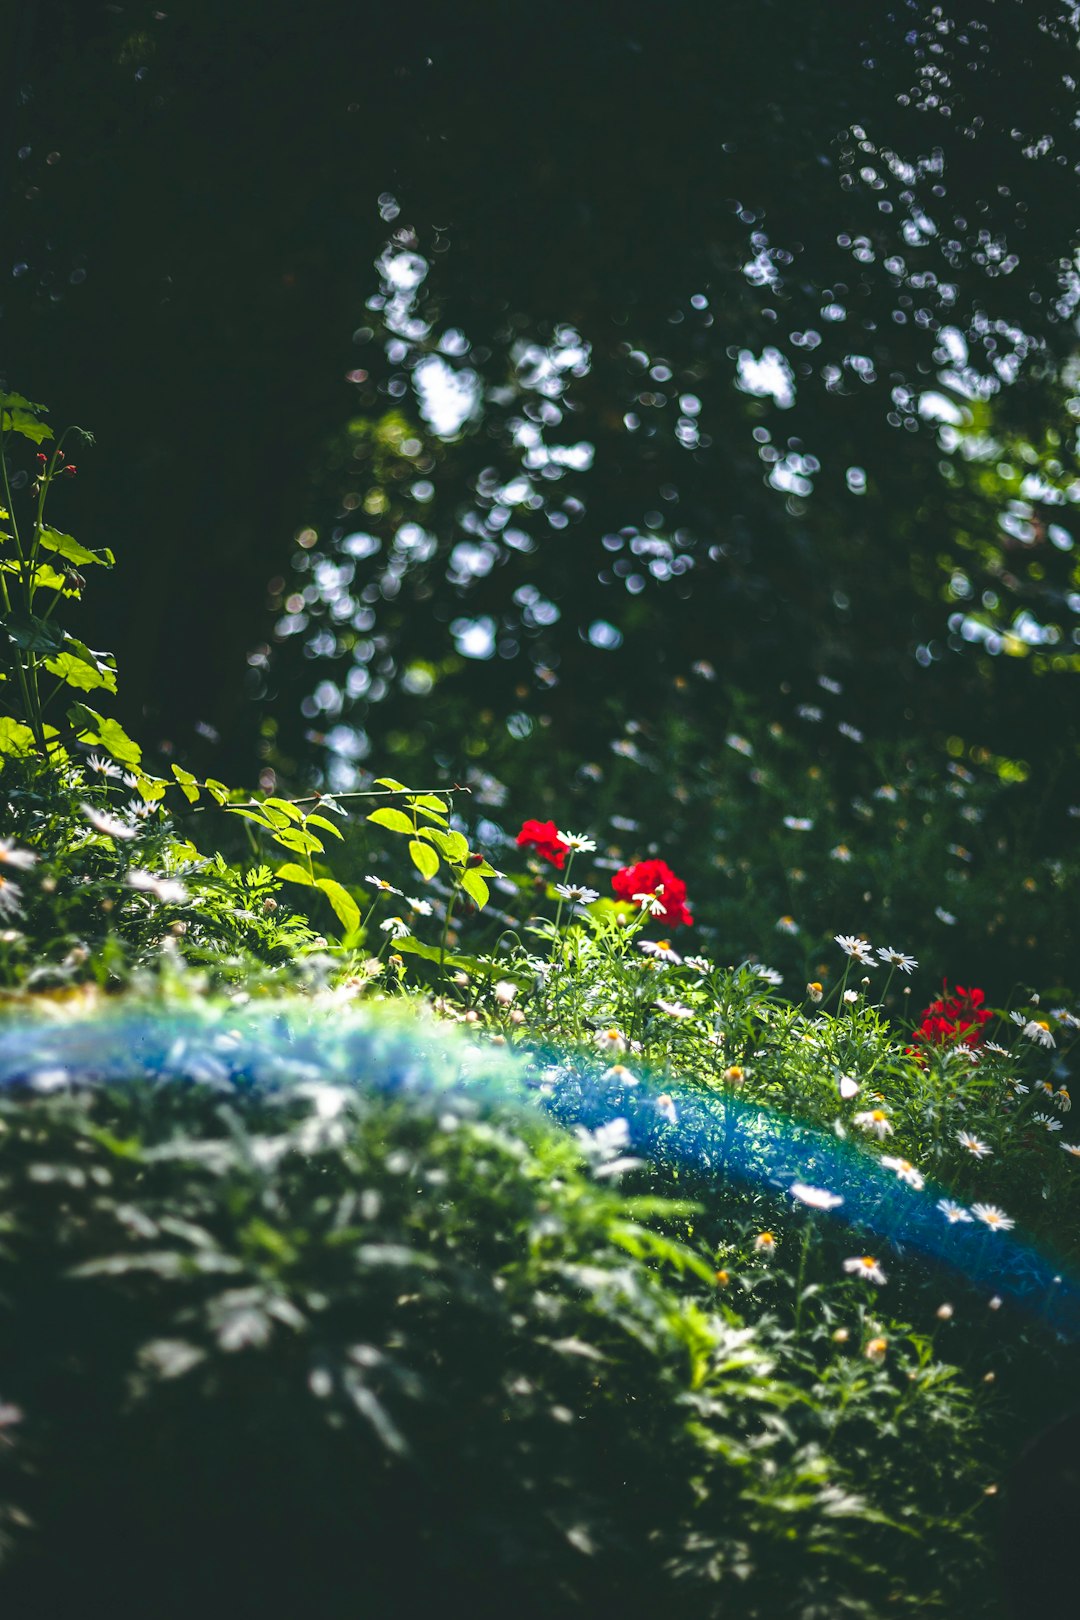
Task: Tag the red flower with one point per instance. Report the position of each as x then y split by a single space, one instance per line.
542 836
955 1018
652 877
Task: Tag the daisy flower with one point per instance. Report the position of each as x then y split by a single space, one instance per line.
993 1217
765 1243
735 1074
847 730
992 1046
20 859
109 826
422 908
381 883
906 1172
574 841
504 992
396 927
10 898
610 1040
944 916
700 964
1038 1030
660 949
577 892
858 949
103 767
621 1075
815 990
849 1088
675 1009
665 1105
875 1350
980 1149
810 711
787 925
952 1212
740 744
876 1121
1047 1121
840 852
1071 1147
1018 1087
652 903
816 1197
769 974
897 959
799 823
170 891
1063 1101
865 1266
887 792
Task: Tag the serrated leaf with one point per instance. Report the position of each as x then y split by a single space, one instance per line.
392 820
475 887
84 677
15 738
423 858
189 785
345 907
66 546
292 873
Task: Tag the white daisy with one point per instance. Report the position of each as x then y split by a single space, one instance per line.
170 891
1038 1030
1072 1148
675 1009
993 1217
396 927
575 842
103 767
992 1046
620 1074
980 1149
786 925
810 711
20 859
841 853
944 916
886 791
1018 1087
816 1197
848 1087
577 893
108 825
381 883
897 959
700 964
858 949
799 823
1063 1101
660 948
740 744
850 731
652 903
953 1212
876 1121
906 1172
610 1040
665 1105
866 1267
422 908
765 1243
10 898
769 974
1047 1121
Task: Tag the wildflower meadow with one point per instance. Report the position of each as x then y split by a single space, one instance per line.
384 1175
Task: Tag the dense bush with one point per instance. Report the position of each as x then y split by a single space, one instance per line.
311 1313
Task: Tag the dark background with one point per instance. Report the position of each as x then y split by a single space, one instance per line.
190 223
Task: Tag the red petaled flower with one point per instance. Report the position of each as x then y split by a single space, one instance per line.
655 877
542 836
956 1017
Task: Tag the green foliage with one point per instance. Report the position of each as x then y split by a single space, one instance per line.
419 1347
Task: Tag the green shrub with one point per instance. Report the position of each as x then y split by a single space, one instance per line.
307 1313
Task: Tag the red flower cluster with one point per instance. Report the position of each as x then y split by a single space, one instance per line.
543 837
650 877
956 1017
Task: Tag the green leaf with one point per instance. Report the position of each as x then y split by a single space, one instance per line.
189 785
31 634
428 801
44 577
300 842
66 546
251 815
85 677
15 738
346 908
454 845
389 782
93 728
327 826
393 820
292 873
475 887
423 858
285 807
17 420
217 790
